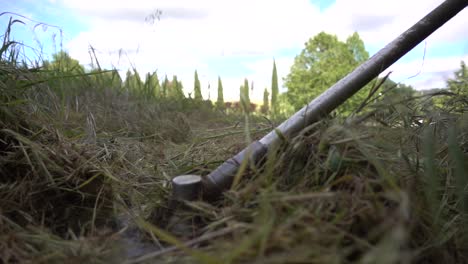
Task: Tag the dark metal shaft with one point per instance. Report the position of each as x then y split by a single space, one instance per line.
222 177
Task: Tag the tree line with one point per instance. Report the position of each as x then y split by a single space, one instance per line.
323 61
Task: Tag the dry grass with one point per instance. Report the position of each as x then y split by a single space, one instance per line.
84 178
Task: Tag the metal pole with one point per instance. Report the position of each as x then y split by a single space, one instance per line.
222 177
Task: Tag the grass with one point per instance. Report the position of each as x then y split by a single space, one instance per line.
85 169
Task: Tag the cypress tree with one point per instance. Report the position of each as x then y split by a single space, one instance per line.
241 97
165 85
172 93
197 88
274 92
244 97
180 91
147 87
152 87
154 80
247 97
137 81
133 81
128 79
220 101
265 107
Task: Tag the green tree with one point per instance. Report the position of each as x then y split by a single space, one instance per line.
246 91
105 79
323 62
180 90
128 77
265 107
395 92
274 92
241 97
244 97
165 87
285 107
133 82
62 65
152 86
459 84
220 102
112 79
394 95
176 89
171 87
62 62
357 48
197 88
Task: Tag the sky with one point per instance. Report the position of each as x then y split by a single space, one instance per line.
232 39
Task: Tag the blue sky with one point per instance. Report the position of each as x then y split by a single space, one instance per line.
234 39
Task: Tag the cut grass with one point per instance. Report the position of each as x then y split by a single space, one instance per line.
85 178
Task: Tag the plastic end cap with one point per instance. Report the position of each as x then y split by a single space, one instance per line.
187 187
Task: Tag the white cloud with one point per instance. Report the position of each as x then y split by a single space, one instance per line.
382 21
379 22
192 34
425 75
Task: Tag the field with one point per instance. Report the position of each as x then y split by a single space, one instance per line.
85 170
